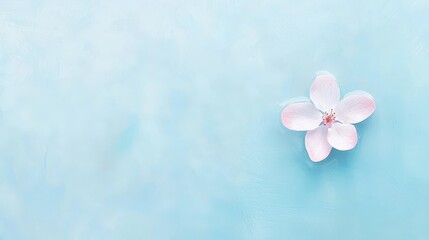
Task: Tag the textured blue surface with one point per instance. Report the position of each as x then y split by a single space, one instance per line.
161 120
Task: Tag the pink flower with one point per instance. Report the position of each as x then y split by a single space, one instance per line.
327 120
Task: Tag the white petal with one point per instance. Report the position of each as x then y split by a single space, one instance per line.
342 136
301 116
324 92
316 144
355 107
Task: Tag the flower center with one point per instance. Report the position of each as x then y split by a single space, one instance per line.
328 118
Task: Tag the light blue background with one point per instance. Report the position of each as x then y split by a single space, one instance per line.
161 119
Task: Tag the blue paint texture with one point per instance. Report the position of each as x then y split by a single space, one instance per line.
161 119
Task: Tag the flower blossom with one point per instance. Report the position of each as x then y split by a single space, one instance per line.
327 120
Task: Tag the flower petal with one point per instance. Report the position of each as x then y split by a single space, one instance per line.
316 144
324 92
355 107
342 136
301 116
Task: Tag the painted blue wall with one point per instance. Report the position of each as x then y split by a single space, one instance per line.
161 119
